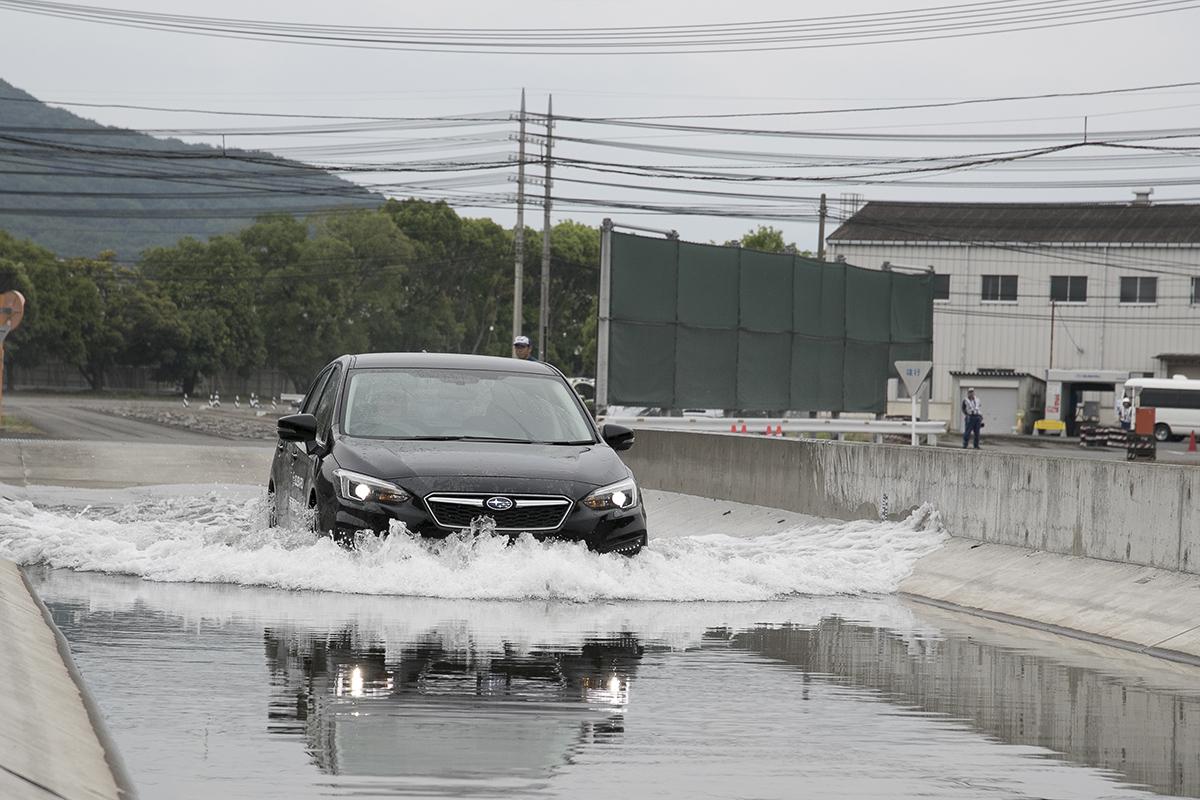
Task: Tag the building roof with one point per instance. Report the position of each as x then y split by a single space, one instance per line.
1065 223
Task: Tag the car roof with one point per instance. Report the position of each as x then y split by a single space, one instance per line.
448 361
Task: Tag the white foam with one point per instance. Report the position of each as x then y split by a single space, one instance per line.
221 537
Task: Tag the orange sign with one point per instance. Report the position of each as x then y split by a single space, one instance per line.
12 308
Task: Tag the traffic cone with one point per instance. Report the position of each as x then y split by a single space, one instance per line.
1192 443
744 428
779 430
767 432
733 427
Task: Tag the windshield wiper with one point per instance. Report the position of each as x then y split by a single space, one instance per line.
431 438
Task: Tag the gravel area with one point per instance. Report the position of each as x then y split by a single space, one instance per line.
231 423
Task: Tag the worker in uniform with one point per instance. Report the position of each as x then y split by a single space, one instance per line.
972 411
1125 414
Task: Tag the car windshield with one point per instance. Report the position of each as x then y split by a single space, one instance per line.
462 404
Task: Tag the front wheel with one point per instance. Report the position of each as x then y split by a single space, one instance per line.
1162 432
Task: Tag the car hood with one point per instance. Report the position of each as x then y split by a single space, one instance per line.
424 467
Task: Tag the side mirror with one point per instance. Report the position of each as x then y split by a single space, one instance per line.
618 437
297 428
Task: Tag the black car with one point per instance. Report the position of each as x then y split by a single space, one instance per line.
445 443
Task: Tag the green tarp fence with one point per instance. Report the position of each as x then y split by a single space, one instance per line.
705 326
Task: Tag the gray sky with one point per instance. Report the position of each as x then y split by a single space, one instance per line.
65 60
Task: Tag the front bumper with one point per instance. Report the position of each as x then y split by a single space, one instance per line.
602 531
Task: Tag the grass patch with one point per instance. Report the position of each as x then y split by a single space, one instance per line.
18 426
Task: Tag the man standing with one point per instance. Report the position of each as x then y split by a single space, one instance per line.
972 411
1125 414
522 349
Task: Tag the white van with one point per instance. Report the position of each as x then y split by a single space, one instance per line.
1176 402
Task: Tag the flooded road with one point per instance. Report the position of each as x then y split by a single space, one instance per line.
234 691
763 659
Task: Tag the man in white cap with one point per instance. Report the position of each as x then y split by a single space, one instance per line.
972 411
522 349
1125 413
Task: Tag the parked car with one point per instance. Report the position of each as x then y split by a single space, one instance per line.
444 443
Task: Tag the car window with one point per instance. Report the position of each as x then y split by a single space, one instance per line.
314 393
412 403
324 412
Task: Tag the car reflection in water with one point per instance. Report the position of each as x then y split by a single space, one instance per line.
435 710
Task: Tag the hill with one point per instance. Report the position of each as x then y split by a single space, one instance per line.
79 187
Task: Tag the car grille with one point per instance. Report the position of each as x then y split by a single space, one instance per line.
529 512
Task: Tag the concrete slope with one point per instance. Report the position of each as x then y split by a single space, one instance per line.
1134 607
49 745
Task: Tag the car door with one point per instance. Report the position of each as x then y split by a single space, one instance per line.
305 465
286 486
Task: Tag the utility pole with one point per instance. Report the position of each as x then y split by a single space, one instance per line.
519 231
1052 305
821 215
544 317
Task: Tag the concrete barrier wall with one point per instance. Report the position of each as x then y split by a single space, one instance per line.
1130 513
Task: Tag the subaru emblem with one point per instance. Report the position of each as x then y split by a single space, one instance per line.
499 503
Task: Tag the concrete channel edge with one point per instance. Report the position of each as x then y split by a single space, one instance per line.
1047 627
112 755
55 743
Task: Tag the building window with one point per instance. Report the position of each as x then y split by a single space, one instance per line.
1139 290
999 289
1068 288
941 287
1195 291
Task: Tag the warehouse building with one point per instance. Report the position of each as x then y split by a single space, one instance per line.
1094 290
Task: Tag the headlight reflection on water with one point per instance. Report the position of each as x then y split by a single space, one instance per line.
612 691
352 681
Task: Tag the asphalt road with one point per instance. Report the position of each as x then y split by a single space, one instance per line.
78 418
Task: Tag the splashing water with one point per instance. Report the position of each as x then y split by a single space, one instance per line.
222 537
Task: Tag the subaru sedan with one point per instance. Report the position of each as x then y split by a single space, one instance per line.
445 443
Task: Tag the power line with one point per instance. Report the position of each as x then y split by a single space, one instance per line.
906 107
909 25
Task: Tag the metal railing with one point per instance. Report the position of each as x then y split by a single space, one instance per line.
778 426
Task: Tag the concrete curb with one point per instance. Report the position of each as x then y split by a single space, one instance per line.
1073 633
52 742
112 756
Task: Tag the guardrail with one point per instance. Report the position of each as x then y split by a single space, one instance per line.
781 426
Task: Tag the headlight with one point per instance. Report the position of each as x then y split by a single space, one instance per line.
365 489
623 494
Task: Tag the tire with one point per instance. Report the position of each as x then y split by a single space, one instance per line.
1162 432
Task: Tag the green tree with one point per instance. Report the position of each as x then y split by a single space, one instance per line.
574 292
274 241
213 285
306 311
468 260
767 239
